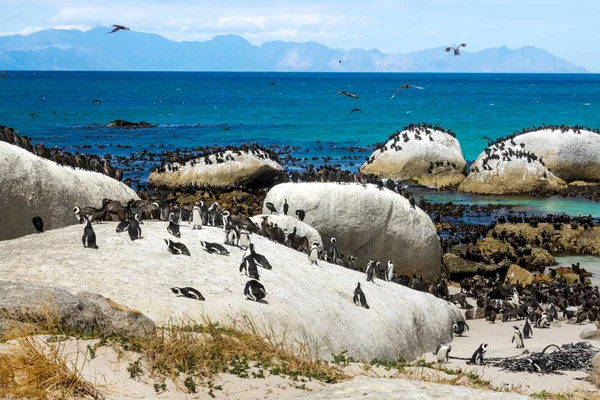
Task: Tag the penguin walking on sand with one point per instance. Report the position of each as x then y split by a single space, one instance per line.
188 292
370 271
313 254
177 248
527 330
517 338
134 229
38 224
244 239
89 236
173 227
359 297
122 226
477 357
443 352
248 266
214 248
460 327
332 254
196 217
254 290
389 273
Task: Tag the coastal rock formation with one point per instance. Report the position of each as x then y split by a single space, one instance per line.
121 124
595 372
32 186
367 223
308 304
427 156
456 265
222 170
389 389
27 302
288 223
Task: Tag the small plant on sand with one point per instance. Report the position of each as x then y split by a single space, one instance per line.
544 395
341 359
399 365
190 385
135 369
212 387
160 387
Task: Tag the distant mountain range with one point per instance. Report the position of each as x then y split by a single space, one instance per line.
136 51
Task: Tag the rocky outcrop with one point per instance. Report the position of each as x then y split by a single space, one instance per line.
427 156
456 265
28 303
367 223
595 371
121 124
308 304
288 223
32 186
517 274
222 170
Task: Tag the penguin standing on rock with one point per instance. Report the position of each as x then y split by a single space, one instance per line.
313 254
477 357
173 227
332 254
196 217
244 240
517 337
389 274
89 236
254 290
38 224
188 292
527 331
359 297
460 327
443 352
370 271
134 230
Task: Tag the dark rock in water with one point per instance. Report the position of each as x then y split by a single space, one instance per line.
25 303
121 124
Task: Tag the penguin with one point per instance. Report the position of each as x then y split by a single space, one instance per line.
259 258
196 217
332 254
389 275
248 266
254 290
359 297
538 365
38 224
177 248
232 235
204 212
505 314
214 217
173 227
300 214
517 337
80 218
134 230
477 357
370 271
543 321
214 248
286 207
515 298
89 236
443 352
460 327
188 292
313 254
122 226
552 310
527 331
244 240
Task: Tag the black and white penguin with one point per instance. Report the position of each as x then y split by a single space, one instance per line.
227 221
460 327
332 254
517 337
188 292
214 248
286 207
232 235
204 213
477 357
80 218
248 266
122 226
300 214
543 321
254 290
134 229
173 227
370 271
89 236
389 273
214 216
38 224
244 240
196 217
359 297
527 330
259 258
313 254
443 352
177 248
538 366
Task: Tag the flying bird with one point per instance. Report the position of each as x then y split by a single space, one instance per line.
119 28
348 94
356 109
96 101
456 50
405 86
339 62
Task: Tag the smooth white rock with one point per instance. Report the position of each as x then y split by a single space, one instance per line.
288 223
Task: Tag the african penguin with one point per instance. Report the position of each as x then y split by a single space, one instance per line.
389 275
527 331
214 248
538 366
244 240
460 327
332 254
313 254
248 266
370 271
196 217
259 258
38 224
80 218
173 227
254 290
214 217
122 226
359 297
89 236
477 357
188 292
443 352
177 248
300 214
517 337
134 229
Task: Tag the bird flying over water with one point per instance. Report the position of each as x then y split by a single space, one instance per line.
456 50
96 101
348 94
119 28
405 86
356 109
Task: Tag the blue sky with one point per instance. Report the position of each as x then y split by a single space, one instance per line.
566 28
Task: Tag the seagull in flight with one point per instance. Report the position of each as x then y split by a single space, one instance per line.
96 101
405 86
356 109
119 28
348 94
456 50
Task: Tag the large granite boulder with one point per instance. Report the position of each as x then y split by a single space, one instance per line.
426 156
33 186
367 223
495 172
288 223
308 304
27 302
226 169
